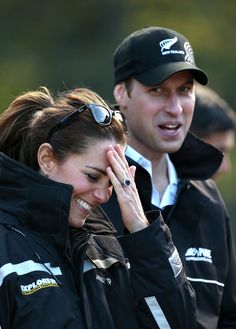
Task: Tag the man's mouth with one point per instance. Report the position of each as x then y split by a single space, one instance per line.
170 127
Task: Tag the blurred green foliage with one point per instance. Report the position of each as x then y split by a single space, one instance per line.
62 44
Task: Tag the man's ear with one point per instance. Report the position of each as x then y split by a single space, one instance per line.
46 158
120 94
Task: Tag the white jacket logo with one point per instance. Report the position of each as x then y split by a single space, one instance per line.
37 285
198 254
175 263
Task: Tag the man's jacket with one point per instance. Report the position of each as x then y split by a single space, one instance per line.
200 228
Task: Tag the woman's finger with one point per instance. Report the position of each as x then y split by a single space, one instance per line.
119 167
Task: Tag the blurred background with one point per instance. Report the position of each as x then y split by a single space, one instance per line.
62 44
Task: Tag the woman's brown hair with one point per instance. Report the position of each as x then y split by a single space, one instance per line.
25 125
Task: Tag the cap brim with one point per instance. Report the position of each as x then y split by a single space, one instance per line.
158 74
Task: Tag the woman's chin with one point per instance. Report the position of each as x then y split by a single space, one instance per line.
78 222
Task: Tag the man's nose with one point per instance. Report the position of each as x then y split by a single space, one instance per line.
174 105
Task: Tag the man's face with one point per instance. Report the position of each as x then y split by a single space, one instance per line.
159 117
224 141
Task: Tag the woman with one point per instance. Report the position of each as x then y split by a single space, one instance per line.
60 160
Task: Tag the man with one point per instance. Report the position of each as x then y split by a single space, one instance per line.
155 73
214 121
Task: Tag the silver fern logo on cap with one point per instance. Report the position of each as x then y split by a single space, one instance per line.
189 53
167 43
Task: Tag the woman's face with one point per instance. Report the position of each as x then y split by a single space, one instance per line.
87 174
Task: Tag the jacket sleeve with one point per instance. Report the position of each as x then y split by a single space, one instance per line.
228 306
7 293
165 299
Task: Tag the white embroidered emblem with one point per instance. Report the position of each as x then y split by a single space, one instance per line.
167 43
189 53
198 254
175 263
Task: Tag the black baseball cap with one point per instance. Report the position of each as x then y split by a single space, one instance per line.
152 54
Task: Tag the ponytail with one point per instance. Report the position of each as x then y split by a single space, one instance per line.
15 122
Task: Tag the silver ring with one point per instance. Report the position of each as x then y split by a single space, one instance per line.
126 181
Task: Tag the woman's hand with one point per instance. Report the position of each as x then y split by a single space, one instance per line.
119 172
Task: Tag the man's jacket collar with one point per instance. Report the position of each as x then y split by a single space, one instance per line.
195 159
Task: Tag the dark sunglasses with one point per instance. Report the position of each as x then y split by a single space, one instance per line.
101 114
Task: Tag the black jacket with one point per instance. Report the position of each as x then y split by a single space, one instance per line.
37 288
155 274
200 228
47 283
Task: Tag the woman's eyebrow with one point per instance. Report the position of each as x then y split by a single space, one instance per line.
97 169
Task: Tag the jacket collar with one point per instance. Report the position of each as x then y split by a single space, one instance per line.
30 200
195 159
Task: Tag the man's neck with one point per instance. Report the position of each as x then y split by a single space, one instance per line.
160 177
159 168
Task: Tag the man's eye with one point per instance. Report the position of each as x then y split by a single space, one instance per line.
157 89
186 89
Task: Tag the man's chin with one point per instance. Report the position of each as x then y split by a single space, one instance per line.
172 147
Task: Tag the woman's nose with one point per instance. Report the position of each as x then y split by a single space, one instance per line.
102 194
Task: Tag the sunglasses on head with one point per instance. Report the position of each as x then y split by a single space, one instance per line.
101 114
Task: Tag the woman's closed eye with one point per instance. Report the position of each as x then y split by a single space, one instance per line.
95 178
92 177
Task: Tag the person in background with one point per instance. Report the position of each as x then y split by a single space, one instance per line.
214 121
60 159
154 77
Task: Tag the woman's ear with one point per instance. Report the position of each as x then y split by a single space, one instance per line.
120 94
46 158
